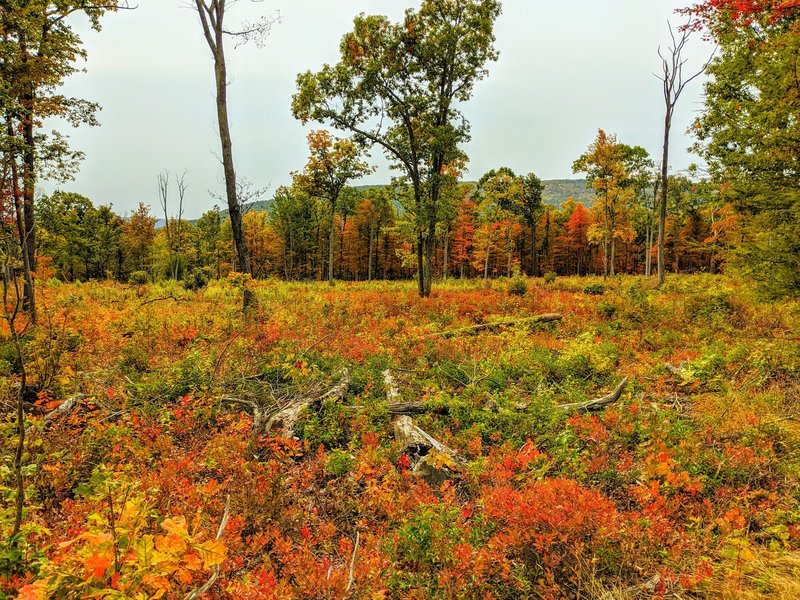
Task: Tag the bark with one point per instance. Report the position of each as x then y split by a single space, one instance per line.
286 417
234 210
431 460
597 403
544 318
662 208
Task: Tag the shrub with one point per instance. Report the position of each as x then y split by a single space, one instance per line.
550 277
606 309
518 286
340 463
138 278
595 289
197 279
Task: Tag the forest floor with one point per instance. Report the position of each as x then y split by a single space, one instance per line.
158 464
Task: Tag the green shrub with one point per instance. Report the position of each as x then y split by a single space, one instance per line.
197 279
518 286
340 463
138 278
606 309
595 289
550 277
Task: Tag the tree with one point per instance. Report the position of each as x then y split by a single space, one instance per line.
39 51
331 164
605 165
501 193
748 133
531 208
577 235
398 86
212 19
138 234
673 84
296 217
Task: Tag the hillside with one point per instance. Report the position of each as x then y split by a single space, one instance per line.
555 192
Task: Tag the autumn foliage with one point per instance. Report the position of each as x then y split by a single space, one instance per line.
156 484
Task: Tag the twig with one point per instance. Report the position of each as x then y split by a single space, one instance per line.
161 298
195 594
351 578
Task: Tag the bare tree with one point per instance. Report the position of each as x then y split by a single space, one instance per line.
162 180
212 18
673 81
182 186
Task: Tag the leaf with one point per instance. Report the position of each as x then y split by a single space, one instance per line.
176 525
34 591
212 553
97 564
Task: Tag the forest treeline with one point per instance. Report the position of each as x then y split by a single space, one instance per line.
483 232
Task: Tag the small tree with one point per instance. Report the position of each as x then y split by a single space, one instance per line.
605 166
331 164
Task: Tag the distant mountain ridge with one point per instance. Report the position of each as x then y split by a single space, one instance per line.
555 192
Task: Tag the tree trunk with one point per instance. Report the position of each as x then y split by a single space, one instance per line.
29 193
331 240
430 248
370 252
220 72
510 250
446 251
613 254
662 209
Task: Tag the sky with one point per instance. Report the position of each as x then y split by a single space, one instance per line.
565 69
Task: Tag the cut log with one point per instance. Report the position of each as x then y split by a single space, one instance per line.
597 403
392 389
63 409
495 325
286 417
431 460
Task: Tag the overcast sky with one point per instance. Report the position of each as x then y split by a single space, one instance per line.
565 70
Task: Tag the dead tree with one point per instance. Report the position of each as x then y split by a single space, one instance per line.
673 83
212 19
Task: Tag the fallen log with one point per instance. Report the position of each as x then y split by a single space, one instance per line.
494 325
430 460
597 403
409 408
287 416
63 409
397 408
